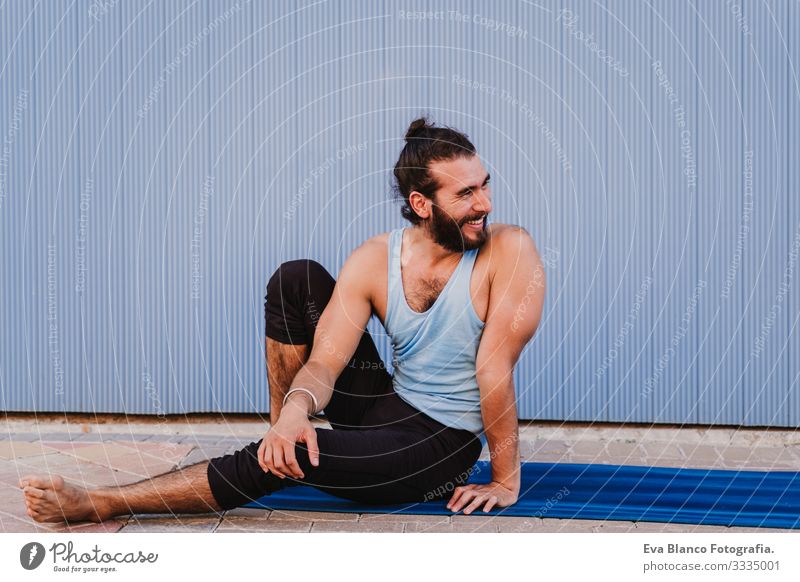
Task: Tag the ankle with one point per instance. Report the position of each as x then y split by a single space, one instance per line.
105 504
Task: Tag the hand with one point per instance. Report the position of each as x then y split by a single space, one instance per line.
276 453
492 494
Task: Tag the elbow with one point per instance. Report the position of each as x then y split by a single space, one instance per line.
496 381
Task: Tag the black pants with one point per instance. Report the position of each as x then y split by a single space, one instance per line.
381 449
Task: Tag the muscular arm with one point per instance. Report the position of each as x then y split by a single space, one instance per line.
340 326
336 338
515 308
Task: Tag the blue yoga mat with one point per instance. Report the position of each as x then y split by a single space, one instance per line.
610 492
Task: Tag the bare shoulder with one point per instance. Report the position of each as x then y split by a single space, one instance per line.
371 252
365 263
368 253
510 242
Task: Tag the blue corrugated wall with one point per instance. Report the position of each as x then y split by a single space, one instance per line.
160 159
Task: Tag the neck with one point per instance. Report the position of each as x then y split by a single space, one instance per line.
428 250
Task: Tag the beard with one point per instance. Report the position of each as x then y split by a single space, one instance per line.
448 233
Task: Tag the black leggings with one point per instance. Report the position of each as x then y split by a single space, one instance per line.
381 449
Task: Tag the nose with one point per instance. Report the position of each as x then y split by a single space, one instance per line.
483 202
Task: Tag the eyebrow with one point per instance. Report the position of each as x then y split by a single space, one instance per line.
473 187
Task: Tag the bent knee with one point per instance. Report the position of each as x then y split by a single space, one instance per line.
291 277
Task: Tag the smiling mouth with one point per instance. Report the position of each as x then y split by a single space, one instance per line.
477 221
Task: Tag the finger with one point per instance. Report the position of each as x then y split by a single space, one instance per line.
277 462
457 493
266 458
291 462
311 445
464 500
476 503
467 493
261 456
491 503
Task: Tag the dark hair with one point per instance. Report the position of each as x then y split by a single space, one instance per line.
425 143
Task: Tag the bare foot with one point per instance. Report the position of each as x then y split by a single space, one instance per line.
50 499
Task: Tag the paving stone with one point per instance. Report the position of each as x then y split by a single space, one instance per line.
108 526
89 438
608 526
18 521
58 436
755 466
701 456
404 518
163 438
669 463
179 523
198 455
13 449
101 454
124 459
520 528
246 524
568 525
656 527
540 457
549 446
235 443
525 447
74 470
9 474
508 524
63 446
737 529
12 502
200 440
27 525
657 452
26 436
476 527
777 457
250 512
163 451
588 448
624 453
356 527
293 515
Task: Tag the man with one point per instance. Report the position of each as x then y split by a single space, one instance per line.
459 299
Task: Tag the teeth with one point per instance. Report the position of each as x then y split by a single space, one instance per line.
478 221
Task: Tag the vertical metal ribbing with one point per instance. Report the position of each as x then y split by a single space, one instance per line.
239 115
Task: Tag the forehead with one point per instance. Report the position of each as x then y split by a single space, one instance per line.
458 173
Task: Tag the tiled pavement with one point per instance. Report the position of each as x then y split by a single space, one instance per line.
107 454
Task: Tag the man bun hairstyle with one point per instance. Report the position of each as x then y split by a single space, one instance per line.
425 143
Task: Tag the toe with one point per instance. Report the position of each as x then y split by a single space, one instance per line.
33 492
36 503
38 482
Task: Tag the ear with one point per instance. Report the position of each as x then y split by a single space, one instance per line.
420 204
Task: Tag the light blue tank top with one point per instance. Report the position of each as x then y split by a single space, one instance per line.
435 351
